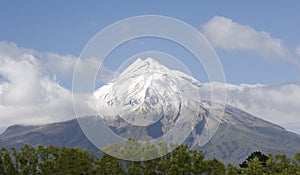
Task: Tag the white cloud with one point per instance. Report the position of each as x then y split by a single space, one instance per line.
229 35
62 66
277 103
10 49
29 94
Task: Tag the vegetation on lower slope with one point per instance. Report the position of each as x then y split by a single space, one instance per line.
51 160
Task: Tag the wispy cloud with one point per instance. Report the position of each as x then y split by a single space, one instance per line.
62 66
229 35
94 24
30 92
298 50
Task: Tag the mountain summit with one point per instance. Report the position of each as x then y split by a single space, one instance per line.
145 92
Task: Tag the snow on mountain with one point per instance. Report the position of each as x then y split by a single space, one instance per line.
145 92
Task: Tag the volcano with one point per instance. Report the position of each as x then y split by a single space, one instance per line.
148 100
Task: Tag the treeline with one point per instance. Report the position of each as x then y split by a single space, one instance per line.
53 160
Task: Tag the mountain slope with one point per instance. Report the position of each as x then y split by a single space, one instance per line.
61 134
148 100
238 135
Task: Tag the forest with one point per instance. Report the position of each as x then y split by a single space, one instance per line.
51 160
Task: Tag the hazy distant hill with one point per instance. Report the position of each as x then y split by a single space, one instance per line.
61 134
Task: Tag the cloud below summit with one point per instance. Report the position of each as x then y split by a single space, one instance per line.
275 103
31 91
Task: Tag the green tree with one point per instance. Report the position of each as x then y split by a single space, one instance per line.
1 163
84 161
214 167
261 157
28 160
16 156
151 166
47 163
254 167
173 170
232 170
67 161
108 165
197 161
156 150
135 168
8 166
296 163
279 164
178 161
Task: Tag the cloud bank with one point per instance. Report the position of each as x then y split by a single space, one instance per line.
31 91
229 35
276 103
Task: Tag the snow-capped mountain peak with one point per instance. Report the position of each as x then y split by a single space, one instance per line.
145 92
144 65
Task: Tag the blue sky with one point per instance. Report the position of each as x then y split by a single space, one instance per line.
261 45
66 27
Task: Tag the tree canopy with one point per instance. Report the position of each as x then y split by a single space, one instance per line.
30 160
